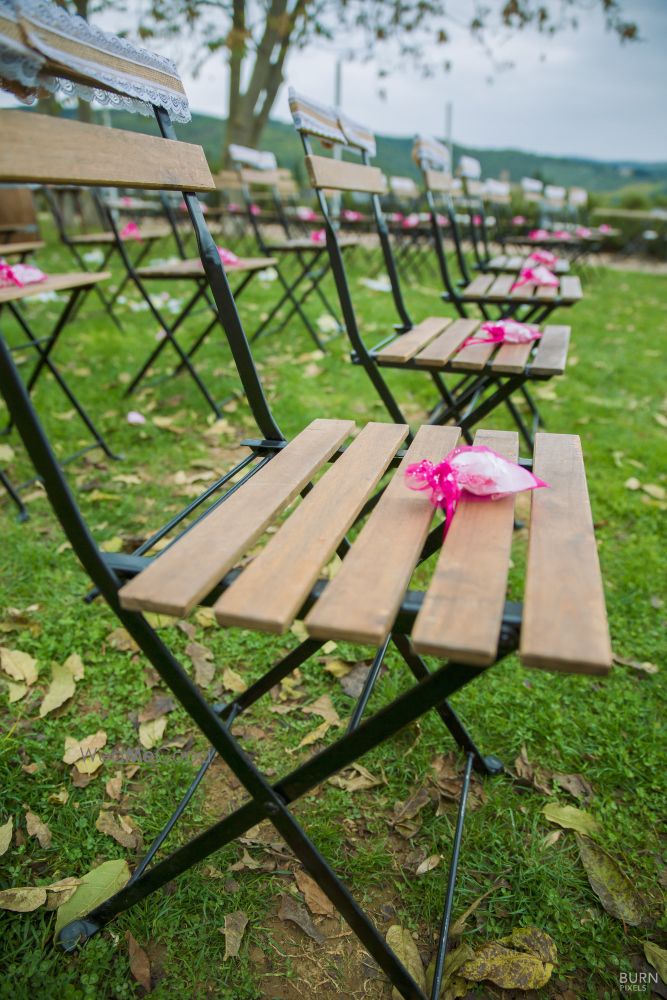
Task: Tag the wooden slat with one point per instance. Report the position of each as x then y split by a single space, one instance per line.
9 249
360 604
41 149
473 357
462 612
54 283
261 178
409 344
514 263
564 617
188 571
570 288
545 292
273 588
479 286
498 263
195 269
340 175
511 358
437 180
551 355
501 287
438 352
148 232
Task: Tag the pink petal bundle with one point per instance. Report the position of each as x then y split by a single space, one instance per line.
505 331
583 232
604 228
538 234
519 220
351 215
234 207
562 234
228 258
539 275
255 209
545 257
318 237
305 213
18 275
471 472
130 231
410 221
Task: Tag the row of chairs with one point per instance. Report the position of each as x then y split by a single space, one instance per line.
462 615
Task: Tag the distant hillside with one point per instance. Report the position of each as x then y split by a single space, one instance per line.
394 157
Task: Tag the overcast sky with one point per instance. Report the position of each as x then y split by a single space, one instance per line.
588 96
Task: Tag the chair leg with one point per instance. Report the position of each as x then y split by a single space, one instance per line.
13 495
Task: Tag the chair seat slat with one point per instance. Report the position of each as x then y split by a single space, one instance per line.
408 344
360 604
189 570
440 350
479 286
54 283
551 355
273 588
564 617
511 358
195 269
462 611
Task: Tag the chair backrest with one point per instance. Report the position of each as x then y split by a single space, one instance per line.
18 215
531 188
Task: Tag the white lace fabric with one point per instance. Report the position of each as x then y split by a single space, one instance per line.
42 47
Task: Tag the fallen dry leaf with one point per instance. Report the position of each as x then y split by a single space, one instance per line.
75 665
235 925
294 911
202 660
570 818
615 890
5 836
658 959
22 900
532 774
140 967
428 864
316 900
151 732
159 705
121 639
356 778
233 681
402 943
338 668
313 736
121 828
96 886
353 682
509 969
114 785
59 892
37 828
576 785
458 927
19 665
642 668
323 707
205 617
60 690
84 754
16 692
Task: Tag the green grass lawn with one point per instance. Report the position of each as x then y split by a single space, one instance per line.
610 731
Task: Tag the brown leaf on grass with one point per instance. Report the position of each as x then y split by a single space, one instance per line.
22 900
355 779
657 958
531 774
338 668
551 839
428 864
202 661
61 689
316 901
5 836
615 890
641 667
37 828
114 786
459 925
323 707
151 732
75 665
576 785
402 943
233 682
453 985
534 941
16 692
313 736
84 754
507 968
59 892
95 886
234 929
353 682
121 639
123 830
571 818
294 911
205 617
158 706
140 967
19 665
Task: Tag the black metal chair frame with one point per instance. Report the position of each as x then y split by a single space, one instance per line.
44 346
268 799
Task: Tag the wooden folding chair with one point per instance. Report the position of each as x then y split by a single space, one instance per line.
462 617
491 294
488 375
303 259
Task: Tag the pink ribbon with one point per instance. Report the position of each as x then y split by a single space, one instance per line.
519 220
255 210
233 207
583 232
604 228
126 201
505 331
318 236
539 275
562 234
351 215
19 275
477 220
545 257
471 472
442 220
130 231
538 234
306 214
228 258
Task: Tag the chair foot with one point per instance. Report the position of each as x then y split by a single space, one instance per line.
489 765
77 933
